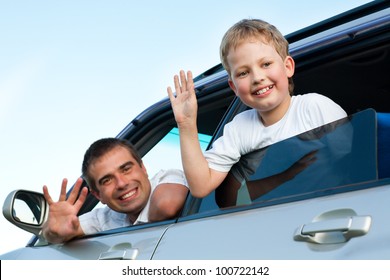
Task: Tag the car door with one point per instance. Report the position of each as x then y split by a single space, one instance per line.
270 232
337 208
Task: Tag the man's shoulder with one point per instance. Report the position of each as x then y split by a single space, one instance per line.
167 172
97 212
173 176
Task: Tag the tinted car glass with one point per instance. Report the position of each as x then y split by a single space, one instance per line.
342 153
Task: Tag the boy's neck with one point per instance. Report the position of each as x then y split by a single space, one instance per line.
271 117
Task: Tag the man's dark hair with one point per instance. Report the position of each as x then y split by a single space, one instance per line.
100 148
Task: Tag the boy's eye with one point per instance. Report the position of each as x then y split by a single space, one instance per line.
267 64
242 74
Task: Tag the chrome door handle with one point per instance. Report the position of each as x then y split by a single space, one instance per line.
127 254
333 230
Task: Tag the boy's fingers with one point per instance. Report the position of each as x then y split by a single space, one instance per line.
170 94
183 80
189 76
190 81
182 84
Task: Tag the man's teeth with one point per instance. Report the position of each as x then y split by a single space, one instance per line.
128 194
264 90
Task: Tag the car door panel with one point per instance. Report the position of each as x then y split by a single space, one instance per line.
268 233
118 244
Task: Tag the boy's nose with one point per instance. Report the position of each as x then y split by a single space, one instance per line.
258 76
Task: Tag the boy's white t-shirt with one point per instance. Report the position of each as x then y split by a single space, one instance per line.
104 218
246 133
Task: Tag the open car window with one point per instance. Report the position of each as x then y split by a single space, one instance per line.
168 152
317 162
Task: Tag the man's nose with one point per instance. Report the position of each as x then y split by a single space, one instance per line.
121 181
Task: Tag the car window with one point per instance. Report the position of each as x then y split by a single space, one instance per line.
342 153
168 151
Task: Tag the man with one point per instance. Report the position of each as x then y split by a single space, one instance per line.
117 177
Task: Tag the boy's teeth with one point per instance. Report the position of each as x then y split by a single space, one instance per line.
264 90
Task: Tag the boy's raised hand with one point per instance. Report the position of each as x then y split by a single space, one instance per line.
63 223
184 104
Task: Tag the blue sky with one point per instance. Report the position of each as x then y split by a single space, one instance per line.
72 72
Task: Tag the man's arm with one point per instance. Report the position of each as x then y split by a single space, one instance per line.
201 179
63 223
167 201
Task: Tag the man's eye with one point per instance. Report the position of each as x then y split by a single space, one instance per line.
127 168
106 181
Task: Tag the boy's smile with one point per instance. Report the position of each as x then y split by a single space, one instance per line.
264 90
259 77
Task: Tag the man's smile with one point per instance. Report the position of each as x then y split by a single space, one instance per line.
128 194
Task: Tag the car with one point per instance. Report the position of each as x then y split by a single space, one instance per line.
337 208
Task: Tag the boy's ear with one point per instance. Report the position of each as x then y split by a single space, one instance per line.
289 65
232 86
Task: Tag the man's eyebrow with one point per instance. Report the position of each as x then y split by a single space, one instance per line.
126 164
121 167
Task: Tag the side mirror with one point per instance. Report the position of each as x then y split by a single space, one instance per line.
27 210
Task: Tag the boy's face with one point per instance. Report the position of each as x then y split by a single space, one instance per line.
122 183
259 77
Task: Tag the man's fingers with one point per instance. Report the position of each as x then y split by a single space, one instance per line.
75 191
47 195
63 189
81 198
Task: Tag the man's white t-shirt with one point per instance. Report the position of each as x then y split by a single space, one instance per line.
104 218
246 132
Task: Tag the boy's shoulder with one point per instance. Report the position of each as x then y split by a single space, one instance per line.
311 97
249 114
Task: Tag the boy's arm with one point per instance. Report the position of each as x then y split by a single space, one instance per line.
63 223
201 179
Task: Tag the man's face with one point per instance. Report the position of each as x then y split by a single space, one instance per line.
122 183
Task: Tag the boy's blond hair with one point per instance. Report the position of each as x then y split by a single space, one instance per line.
247 29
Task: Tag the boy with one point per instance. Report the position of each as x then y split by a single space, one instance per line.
256 58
